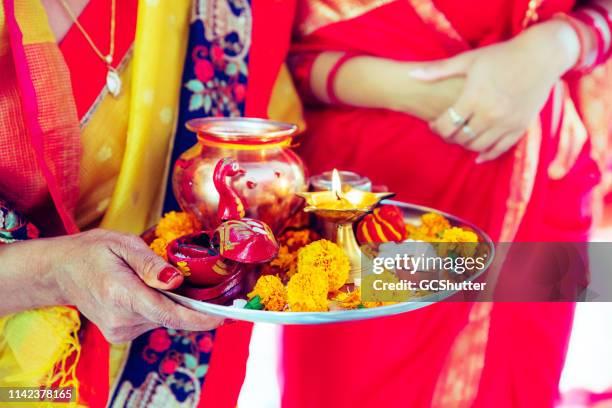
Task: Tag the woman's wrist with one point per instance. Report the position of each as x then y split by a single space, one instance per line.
399 91
425 100
555 43
28 276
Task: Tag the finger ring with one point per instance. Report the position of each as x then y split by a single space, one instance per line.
468 131
456 118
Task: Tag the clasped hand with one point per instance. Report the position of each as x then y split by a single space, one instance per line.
506 86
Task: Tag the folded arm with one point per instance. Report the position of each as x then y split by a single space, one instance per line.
373 82
483 99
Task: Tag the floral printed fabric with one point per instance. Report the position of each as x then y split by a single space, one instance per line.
165 368
216 70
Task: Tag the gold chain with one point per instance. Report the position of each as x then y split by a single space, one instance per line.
108 59
531 15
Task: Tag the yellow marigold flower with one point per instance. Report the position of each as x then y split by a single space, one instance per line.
456 234
433 224
459 241
325 257
381 297
174 225
159 246
307 292
271 291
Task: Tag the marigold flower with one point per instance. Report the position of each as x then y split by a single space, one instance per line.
458 241
286 261
175 225
348 300
433 224
456 234
159 246
295 239
307 292
326 258
272 292
381 297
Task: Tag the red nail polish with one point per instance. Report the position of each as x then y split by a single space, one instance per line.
167 274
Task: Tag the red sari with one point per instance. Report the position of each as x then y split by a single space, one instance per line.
447 354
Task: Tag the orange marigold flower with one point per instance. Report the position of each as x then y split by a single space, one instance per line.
159 246
348 300
433 224
326 258
175 225
307 292
272 292
286 261
295 239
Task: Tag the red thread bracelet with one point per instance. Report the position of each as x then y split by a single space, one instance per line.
331 78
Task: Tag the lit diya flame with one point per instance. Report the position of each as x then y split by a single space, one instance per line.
342 199
336 184
341 202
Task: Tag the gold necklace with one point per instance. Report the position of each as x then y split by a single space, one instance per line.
113 81
531 14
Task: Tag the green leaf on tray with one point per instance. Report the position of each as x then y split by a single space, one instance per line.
254 304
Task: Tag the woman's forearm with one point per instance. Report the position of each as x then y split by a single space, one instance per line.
574 42
26 281
374 82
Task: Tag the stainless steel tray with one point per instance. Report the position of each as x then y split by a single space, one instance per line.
412 214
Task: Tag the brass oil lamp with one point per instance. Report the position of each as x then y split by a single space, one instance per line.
343 206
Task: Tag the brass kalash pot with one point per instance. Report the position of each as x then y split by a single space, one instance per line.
271 173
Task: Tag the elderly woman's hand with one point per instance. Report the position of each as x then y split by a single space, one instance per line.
108 276
506 86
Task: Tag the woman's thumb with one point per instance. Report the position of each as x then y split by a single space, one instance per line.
440 69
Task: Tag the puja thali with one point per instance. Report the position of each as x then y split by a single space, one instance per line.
411 214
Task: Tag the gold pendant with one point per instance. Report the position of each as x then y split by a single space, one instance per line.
113 82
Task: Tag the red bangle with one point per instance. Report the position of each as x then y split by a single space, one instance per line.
580 63
607 16
331 78
587 19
